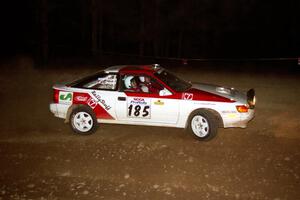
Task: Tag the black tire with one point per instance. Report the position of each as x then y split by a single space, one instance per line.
206 124
83 121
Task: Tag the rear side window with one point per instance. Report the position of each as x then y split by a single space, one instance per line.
101 81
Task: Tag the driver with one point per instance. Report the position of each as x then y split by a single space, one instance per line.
131 83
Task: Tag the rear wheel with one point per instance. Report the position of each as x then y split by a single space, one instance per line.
83 121
203 125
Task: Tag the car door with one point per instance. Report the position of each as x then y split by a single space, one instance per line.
148 108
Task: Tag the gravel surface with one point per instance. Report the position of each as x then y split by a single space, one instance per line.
41 158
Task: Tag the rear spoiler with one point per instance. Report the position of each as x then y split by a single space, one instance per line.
251 98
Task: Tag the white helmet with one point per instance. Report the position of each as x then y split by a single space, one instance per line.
127 82
142 79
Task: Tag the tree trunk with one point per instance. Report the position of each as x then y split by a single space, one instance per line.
167 47
84 25
179 45
157 30
44 32
94 27
100 34
142 29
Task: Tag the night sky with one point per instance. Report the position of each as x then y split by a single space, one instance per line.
154 28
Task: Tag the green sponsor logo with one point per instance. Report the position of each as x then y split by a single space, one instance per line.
65 97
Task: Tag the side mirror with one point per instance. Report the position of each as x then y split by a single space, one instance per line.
164 92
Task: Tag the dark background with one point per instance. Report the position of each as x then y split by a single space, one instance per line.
236 43
209 29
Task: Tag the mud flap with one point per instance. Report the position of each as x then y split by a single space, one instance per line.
251 98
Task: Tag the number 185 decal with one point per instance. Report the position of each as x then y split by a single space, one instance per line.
139 108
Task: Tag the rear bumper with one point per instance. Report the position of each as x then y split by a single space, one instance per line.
59 110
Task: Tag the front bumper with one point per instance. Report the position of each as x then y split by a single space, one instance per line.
239 120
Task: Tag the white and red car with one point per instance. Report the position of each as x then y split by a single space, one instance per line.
150 95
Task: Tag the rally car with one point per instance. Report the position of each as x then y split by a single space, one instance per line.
150 95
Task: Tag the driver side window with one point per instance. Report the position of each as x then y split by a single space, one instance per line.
142 84
150 85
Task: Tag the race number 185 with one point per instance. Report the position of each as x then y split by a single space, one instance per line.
138 111
138 108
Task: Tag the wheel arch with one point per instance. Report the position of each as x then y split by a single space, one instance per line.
74 106
214 113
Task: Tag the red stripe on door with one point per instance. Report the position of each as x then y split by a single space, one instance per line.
86 99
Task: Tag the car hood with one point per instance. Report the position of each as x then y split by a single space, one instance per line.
229 93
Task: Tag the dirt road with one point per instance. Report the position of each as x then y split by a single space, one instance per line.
41 159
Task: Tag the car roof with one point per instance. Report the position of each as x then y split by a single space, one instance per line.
133 69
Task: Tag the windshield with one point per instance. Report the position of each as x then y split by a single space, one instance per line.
172 81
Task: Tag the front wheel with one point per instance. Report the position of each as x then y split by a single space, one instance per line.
203 125
83 121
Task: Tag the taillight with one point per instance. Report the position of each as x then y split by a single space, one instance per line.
55 95
242 108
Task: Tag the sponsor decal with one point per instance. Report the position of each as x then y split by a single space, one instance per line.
187 96
228 111
80 98
107 82
159 103
101 101
206 104
65 97
100 112
137 100
232 115
92 103
138 108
